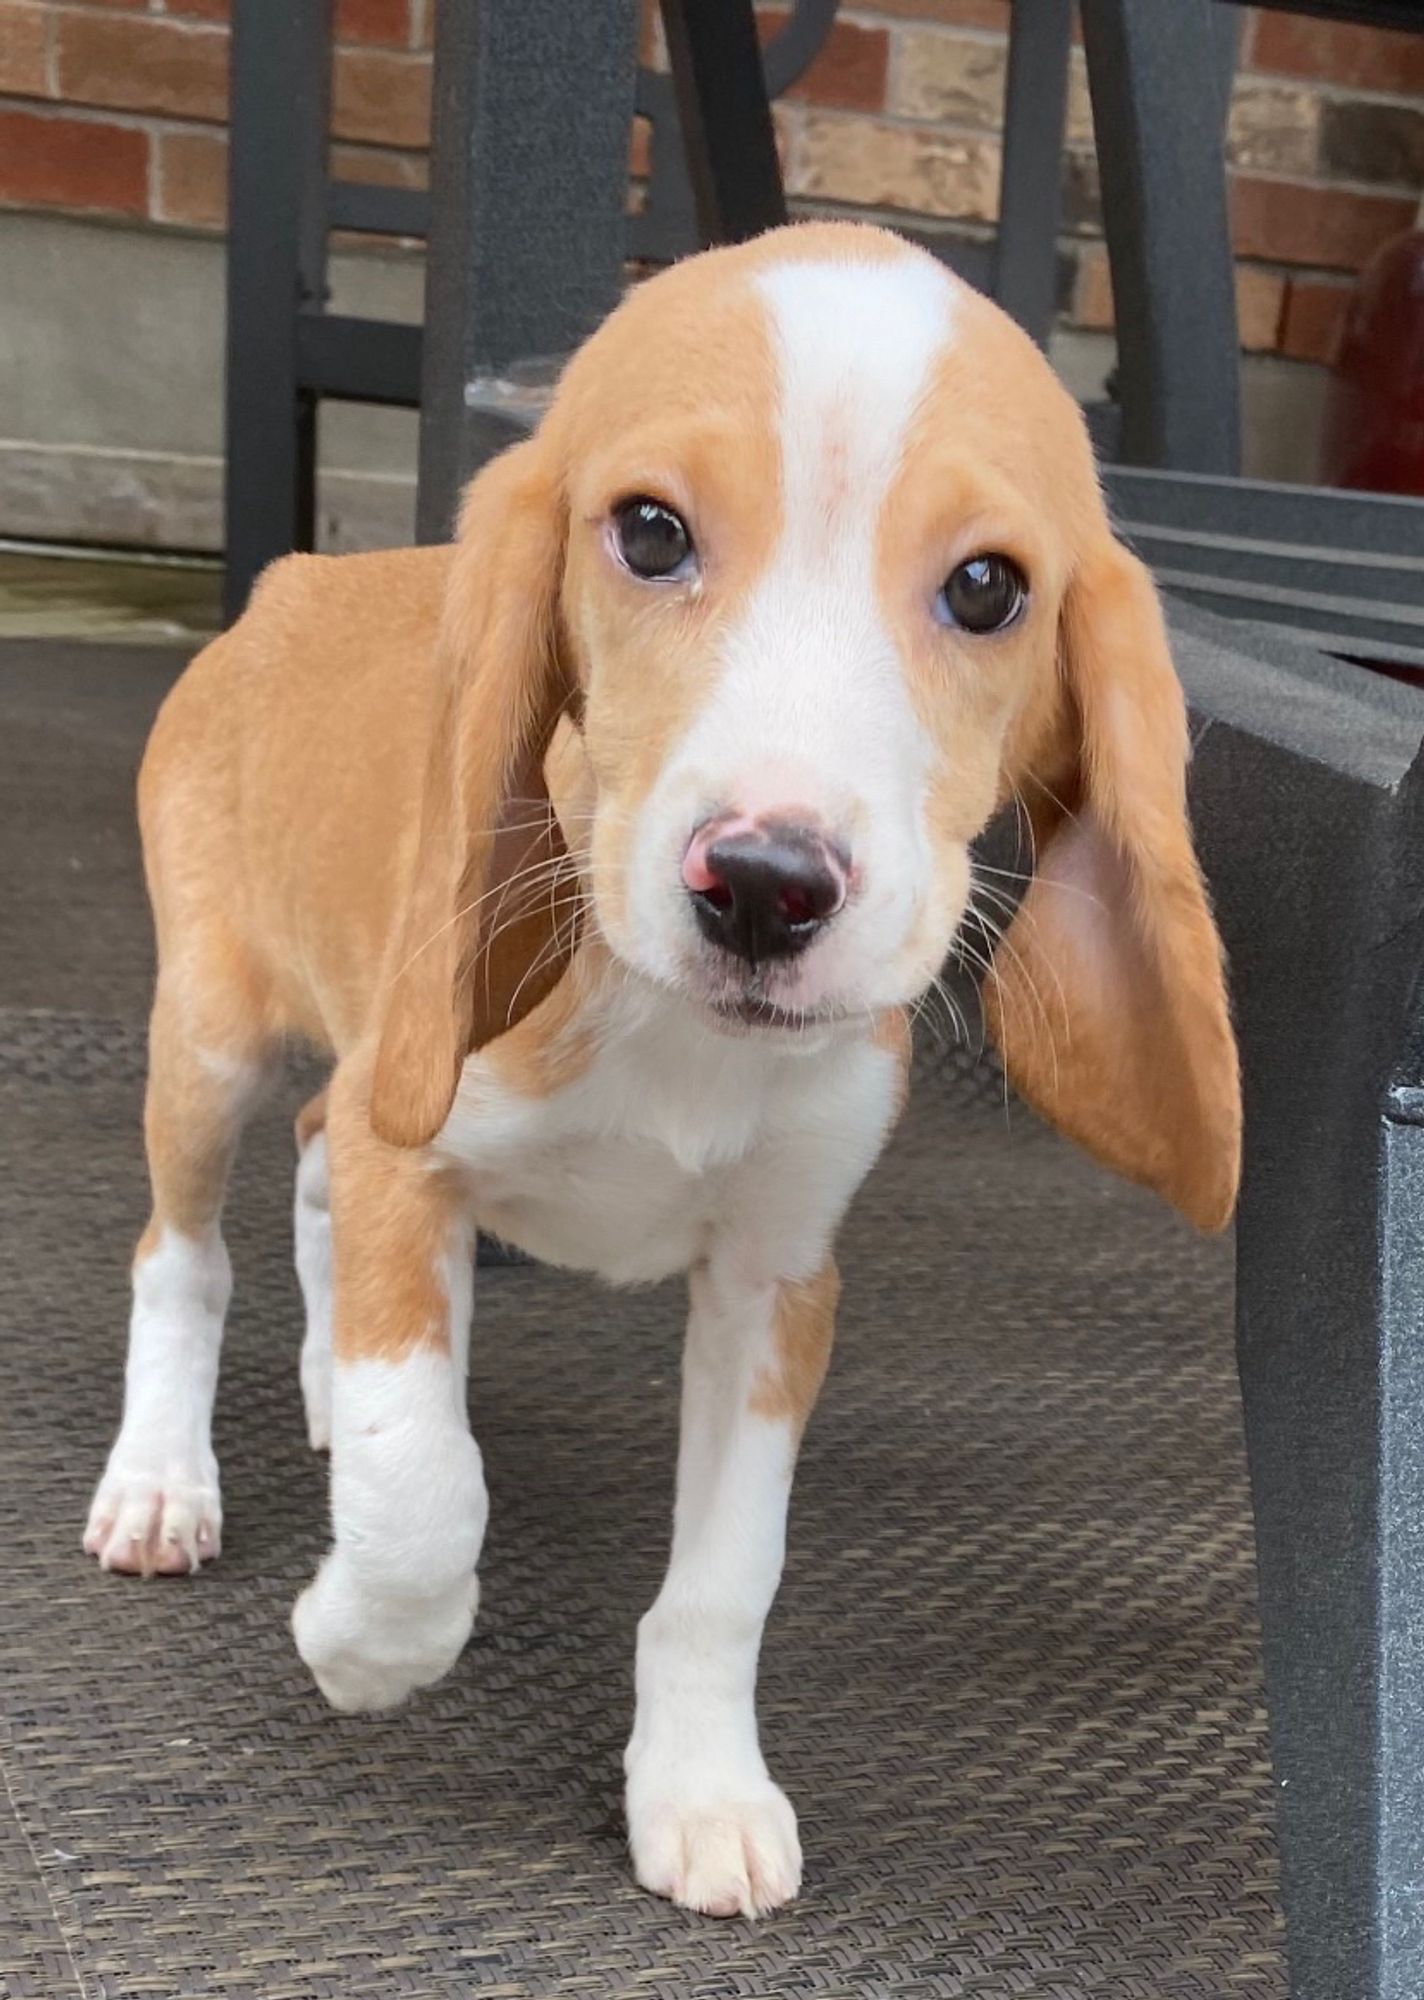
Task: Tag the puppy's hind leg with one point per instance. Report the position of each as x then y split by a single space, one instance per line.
311 1229
157 1509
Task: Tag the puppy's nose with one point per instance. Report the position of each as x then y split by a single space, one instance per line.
762 890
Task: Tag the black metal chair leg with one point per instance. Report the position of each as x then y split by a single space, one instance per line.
1154 78
534 100
1030 197
1312 825
725 116
276 264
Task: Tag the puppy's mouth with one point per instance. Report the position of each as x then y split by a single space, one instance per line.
759 1000
748 1012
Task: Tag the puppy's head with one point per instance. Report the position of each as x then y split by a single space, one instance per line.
811 544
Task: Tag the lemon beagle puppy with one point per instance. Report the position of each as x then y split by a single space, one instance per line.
607 852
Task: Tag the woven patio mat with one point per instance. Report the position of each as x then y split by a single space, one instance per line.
1012 1682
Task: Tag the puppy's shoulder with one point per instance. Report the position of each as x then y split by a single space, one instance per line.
346 601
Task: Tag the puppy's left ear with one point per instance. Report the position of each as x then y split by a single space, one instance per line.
1109 1001
480 944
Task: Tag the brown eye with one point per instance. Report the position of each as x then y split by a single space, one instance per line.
652 540
983 595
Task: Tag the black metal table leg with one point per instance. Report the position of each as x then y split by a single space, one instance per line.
725 116
1154 78
1310 807
276 264
533 100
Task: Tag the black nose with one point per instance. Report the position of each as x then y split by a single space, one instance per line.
771 892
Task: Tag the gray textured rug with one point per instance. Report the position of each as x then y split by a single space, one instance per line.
1012 1683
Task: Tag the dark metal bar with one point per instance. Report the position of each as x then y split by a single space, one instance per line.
725 117
276 266
529 175
1150 71
1261 510
359 360
667 226
1379 631
1369 13
1308 797
371 210
794 47
1226 49
1030 199
1382 586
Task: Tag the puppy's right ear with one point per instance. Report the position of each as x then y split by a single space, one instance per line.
476 949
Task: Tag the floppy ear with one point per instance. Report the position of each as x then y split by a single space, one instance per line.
1109 1004
476 947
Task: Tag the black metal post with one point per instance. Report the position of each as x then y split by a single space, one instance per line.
725 115
1030 197
1153 75
533 100
276 267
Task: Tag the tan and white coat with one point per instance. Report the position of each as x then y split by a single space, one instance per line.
349 838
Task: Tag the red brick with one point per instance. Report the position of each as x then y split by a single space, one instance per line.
1284 222
23 69
386 22
1093 294
381 97
192 179
1314 314
383 21
148 65
954 13
1340 52
72 163
379 165
651 53
850 69
1259 296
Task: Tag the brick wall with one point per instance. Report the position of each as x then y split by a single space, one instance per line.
116 107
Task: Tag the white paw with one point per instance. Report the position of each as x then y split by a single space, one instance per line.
368 1649
156 1521
724 1852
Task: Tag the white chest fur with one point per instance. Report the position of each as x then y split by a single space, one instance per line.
670 1134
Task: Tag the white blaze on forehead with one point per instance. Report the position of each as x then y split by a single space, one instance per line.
810 711
812 707
854 344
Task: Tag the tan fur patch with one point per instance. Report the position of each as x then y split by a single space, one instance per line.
395 1222
803 1328
310 1120
208 1041
553 1046
893 1034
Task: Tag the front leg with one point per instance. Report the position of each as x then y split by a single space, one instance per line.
394 1601
706 1824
